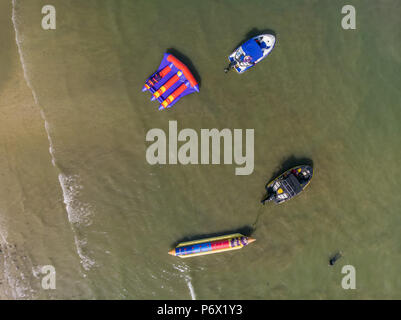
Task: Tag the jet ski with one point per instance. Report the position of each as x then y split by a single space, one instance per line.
289 184
251 52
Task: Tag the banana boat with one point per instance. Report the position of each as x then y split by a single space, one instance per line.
211 245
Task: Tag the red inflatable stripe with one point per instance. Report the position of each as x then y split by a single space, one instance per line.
165 71
217 245
184 69
179 90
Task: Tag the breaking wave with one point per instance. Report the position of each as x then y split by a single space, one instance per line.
78 213
184 269
13 281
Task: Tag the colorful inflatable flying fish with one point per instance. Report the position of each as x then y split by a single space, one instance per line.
170 82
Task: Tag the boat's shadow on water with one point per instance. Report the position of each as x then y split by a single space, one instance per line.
289 163
253 33
245 230
188 62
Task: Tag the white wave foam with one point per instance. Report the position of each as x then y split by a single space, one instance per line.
86 262
185 270
78 214
3 234
16 285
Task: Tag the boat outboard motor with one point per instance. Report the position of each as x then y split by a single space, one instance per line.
230 66
268 198
271 197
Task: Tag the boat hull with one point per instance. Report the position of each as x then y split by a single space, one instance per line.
267 40
295 169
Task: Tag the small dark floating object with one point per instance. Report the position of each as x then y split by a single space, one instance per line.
334 259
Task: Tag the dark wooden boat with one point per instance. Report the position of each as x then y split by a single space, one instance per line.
289 184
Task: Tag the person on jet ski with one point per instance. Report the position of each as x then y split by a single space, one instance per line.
248 60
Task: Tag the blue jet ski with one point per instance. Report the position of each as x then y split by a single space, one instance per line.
251 52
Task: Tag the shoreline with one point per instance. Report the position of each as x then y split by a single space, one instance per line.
27 174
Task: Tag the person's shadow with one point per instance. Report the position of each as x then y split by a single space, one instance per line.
255 32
